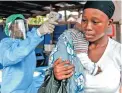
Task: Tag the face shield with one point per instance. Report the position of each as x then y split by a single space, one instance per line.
18 29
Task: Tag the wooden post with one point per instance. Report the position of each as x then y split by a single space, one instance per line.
118 32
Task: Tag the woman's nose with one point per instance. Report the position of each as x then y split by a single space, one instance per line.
88 27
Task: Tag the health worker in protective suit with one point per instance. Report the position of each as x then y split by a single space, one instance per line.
17 54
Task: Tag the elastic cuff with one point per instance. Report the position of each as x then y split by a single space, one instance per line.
82 55
38 33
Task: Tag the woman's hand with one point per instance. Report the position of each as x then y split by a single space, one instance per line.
63 70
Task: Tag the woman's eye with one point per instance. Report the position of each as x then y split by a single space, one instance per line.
95 22
84 20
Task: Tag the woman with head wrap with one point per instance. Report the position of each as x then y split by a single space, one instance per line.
102 50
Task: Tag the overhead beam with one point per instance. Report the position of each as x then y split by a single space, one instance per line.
12 9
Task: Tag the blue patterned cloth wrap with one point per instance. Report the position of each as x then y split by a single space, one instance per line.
64 49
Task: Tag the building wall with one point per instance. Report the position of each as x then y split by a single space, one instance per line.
117 17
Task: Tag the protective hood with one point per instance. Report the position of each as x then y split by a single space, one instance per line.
10 20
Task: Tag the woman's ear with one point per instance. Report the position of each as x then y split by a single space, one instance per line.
110 22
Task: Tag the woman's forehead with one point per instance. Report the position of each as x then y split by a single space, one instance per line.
91 12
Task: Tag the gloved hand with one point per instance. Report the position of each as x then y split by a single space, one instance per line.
79 42
48 26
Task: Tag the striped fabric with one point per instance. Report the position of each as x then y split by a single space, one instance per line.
79 41
81 48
